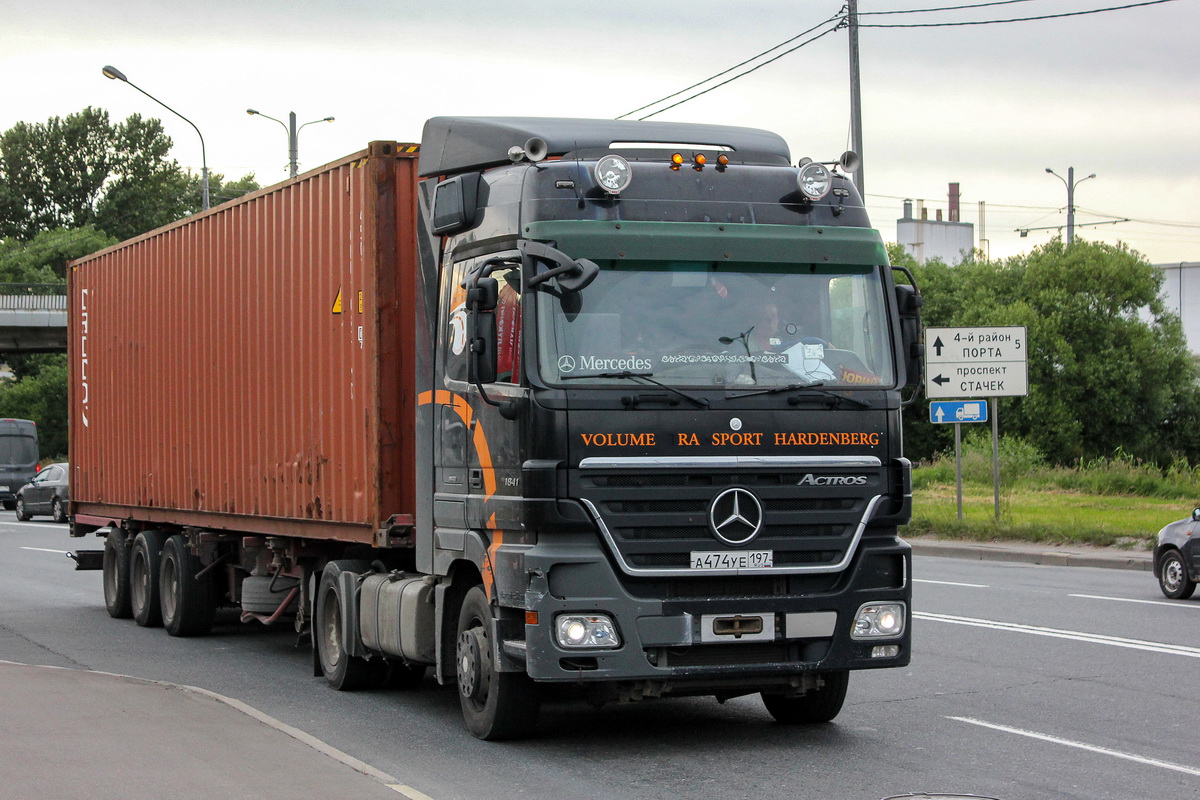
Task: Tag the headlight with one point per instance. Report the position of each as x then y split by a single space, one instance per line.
814 180
878 620
586 630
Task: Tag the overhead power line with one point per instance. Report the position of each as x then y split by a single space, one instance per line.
1015 19
943 8
836 18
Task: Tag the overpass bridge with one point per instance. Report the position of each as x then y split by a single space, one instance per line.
33 318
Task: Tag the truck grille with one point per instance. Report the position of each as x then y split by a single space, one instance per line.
653 519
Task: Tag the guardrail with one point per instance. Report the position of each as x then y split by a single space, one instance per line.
33 297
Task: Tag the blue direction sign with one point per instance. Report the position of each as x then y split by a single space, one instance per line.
958 411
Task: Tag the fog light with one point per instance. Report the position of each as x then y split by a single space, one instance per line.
586 630
885 651
876 620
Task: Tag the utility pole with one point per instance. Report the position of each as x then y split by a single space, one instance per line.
856 139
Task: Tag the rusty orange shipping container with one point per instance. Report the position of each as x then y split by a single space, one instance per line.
250 368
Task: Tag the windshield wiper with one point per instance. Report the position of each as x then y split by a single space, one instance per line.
646 376
795 387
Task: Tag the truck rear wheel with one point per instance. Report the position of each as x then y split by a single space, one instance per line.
143 578
342 670
188 605
116 575
495 705
818 705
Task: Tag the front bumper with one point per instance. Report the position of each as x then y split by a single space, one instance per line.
683 637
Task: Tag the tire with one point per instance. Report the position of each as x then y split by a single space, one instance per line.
116 576
1173 576
58 511
818 705
495 705
343 671
22 514
188 605
257 596
143 578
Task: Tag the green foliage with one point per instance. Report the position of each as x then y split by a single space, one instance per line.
44 258
42 397
1108 365
1024 468
85 171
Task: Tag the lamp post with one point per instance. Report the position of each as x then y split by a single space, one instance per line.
1071 183
293 134
112 73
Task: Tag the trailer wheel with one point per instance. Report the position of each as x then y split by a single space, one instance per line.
116 575
143 578
818 705
188 605
495 705
343 671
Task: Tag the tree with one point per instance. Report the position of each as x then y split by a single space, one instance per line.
41 397
84 170
1108 364
44 258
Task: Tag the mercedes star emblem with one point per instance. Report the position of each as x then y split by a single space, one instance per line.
735 516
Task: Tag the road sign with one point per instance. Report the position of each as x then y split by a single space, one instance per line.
976 362
945 411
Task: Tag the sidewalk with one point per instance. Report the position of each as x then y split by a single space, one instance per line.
78 735
1030 553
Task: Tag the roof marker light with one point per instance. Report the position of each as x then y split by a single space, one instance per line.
676 161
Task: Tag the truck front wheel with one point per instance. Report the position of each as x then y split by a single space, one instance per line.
495 705
143 578
818 705
342 670
188 604
116 575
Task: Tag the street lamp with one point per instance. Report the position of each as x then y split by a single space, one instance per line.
293 135
112 73
1071 183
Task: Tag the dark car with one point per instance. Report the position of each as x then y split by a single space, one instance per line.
1177 557
18 458
46 494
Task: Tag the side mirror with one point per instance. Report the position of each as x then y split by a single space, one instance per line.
455 203
908 304
571 275
482 298
1196 514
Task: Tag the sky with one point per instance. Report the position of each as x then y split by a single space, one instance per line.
987 106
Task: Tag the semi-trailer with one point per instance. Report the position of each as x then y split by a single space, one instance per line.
610 405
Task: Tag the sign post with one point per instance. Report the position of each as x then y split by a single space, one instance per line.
985 362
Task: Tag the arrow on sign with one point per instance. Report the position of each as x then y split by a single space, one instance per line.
937 345
939 380
940 414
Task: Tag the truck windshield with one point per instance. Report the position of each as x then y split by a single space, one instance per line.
709 324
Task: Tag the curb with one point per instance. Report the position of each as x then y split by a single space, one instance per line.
1104 558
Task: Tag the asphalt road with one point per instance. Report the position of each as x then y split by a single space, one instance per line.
1027 683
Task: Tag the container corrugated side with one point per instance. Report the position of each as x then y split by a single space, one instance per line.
241 369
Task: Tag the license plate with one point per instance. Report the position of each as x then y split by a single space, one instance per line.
748 559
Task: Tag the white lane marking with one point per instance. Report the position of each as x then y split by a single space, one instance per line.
1078 636
409 792
1153 762
953 583
1176 604
47 550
